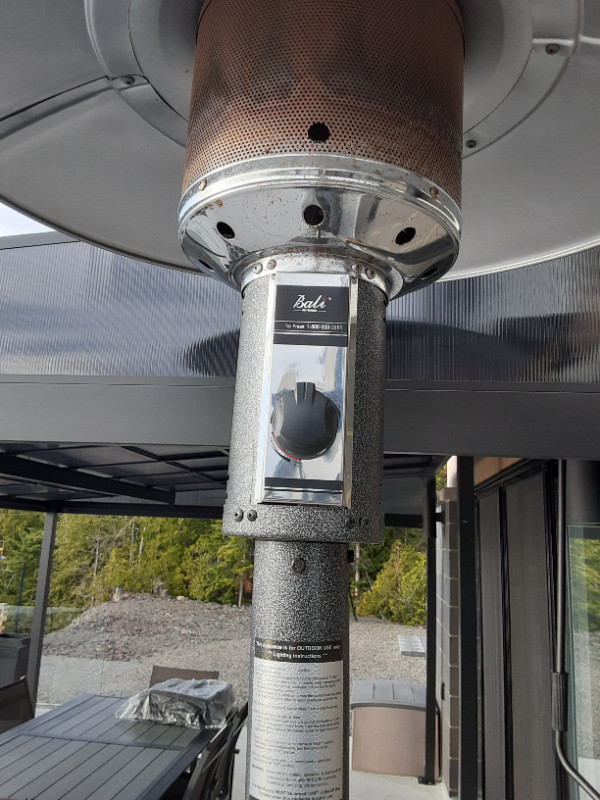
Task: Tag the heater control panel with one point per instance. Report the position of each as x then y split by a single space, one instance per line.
305 446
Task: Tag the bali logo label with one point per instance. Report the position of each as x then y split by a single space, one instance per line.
311 306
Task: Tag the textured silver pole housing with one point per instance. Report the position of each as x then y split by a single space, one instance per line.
362 521
299 598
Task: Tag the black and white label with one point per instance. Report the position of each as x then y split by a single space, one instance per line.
311 315
297 721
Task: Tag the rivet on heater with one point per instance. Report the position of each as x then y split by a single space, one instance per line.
349 523
202 185
434 193
356 269
258 268
370 273
251 515
271 263
238 515
299 565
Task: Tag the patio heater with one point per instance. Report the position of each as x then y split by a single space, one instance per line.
322 178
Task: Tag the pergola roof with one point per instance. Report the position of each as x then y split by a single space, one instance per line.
116 378
157 480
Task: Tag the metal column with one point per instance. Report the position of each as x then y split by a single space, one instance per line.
429 530
41 603
298 729
468 777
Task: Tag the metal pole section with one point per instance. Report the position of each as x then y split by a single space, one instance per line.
303 505
468 778
429 530
41 603
299 715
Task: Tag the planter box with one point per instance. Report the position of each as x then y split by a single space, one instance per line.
388 727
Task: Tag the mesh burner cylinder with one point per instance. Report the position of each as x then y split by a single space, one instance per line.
357 99
379 79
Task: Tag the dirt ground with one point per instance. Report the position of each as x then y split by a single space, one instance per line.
141 630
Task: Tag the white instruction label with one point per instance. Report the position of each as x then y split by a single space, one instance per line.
297 721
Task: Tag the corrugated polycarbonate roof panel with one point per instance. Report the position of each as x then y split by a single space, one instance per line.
71 309
536 324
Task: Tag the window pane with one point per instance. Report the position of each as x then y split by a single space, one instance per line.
584 595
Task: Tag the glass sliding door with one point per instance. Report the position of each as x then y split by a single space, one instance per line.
584 655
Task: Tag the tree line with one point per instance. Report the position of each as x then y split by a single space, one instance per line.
93 555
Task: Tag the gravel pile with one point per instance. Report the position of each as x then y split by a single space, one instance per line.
111 648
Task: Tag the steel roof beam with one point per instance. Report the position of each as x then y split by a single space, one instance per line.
29 470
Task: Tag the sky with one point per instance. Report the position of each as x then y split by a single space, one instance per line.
12 223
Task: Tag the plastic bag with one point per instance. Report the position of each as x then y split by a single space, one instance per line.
192 704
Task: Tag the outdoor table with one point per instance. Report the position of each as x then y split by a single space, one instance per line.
81 751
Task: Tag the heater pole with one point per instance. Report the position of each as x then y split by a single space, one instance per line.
305 472
298 728
322 179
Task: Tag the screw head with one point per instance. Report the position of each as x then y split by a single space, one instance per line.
271 263
238 515
349 523
370 273
251 515
552 49
258 268
202 185
434 193
470 143
356 268
299 565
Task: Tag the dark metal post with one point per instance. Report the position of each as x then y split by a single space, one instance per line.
429 531
41 603
468 768
20 596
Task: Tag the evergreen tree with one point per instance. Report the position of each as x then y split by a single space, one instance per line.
398 593
216 565
21 538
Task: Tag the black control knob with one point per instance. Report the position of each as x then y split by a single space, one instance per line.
304 422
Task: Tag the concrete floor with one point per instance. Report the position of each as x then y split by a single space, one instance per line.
363 785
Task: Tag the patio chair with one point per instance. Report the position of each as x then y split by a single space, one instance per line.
15 705
204 780
224 777
160 674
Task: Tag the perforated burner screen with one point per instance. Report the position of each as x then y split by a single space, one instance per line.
378 79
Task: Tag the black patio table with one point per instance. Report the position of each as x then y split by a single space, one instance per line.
81 751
